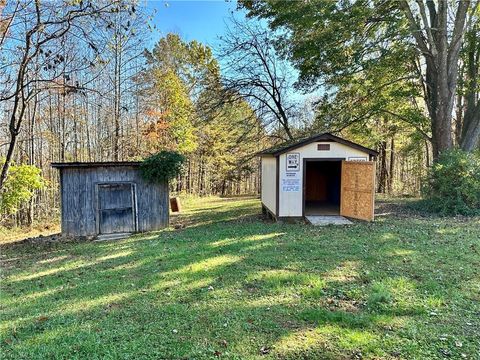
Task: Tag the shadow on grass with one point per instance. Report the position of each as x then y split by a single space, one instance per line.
229 284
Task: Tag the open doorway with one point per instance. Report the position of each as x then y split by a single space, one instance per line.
322 183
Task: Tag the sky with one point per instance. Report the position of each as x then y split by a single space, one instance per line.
192 20
199 20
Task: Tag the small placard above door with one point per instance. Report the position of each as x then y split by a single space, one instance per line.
357 158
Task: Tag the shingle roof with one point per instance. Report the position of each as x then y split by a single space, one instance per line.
290 145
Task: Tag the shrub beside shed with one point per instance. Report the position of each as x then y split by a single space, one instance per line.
100 198
320 175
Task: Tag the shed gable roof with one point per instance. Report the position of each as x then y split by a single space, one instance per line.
291 145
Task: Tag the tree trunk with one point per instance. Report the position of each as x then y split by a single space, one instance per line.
471 137
392 166
440 100
383 168
8 159
442 57
427 153
470 128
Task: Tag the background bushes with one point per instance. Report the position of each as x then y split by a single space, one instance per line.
453 184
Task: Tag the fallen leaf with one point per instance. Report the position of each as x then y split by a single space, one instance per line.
264 350
445 352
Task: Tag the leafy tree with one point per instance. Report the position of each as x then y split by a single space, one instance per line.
172 112
333 41
178 72
468 98
194 114
19 187
230 139
191 61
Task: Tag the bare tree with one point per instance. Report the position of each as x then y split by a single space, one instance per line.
33 50
255 72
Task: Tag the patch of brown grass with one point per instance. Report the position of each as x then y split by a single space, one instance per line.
18 234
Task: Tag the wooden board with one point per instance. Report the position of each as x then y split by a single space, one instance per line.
175 204
358 190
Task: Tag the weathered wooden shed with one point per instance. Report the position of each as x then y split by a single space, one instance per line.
99 198
320 175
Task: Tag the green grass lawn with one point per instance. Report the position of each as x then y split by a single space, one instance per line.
230 285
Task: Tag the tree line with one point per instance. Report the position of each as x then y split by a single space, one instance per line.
78 84
387 61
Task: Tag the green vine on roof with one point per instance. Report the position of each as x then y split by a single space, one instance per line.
162 167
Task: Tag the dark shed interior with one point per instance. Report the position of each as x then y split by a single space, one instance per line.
322 187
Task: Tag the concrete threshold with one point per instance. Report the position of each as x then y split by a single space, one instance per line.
323 220
115 236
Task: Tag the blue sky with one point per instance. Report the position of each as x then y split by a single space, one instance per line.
193 20
199 20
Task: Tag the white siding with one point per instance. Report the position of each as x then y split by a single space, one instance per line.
291 202
269 177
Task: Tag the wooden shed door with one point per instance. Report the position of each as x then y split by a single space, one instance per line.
358 190
116 211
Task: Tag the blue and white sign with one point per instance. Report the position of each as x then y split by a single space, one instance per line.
291 185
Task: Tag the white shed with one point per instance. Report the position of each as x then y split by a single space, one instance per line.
320 175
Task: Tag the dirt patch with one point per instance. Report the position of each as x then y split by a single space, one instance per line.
400 208
39 240
19 234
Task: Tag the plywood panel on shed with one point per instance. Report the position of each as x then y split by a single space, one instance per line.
358 190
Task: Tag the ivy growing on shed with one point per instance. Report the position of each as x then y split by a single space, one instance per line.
162 166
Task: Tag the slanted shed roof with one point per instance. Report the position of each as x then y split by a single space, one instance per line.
291 145
60 165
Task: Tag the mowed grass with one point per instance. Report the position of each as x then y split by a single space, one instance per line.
230 285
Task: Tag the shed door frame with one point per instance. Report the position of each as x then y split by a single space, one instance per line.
304 173
133 189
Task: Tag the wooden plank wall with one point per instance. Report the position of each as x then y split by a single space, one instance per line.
79 202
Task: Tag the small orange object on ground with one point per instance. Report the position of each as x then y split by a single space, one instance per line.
175 204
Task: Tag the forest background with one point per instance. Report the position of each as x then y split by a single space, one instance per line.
81 82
